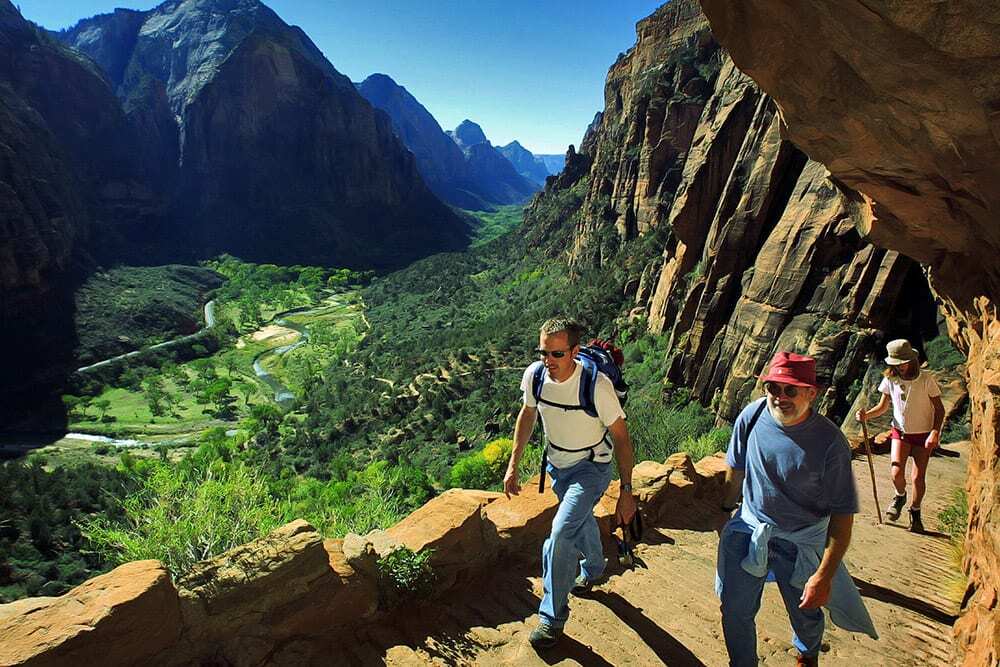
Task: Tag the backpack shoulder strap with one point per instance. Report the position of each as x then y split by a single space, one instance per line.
588 386
537 379
752 423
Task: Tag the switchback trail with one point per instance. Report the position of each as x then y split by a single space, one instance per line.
669 614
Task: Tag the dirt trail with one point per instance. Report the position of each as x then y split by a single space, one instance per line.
668 613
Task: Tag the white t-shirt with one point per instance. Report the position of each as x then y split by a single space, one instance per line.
574 429
912 410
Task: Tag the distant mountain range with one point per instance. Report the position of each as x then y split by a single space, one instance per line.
461 166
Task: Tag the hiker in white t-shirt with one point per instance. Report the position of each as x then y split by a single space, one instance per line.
579 449
917 416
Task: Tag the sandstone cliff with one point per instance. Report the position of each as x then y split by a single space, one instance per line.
899 101
740 244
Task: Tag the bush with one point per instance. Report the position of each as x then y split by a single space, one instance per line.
405 574
483 470
716 440
955 517
658 431
181 515
941 353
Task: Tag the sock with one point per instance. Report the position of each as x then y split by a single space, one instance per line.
901 495
914 509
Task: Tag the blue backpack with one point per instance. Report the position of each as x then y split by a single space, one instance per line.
595 358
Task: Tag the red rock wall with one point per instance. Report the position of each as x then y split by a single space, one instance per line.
899 101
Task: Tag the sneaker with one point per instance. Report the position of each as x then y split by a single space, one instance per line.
544 636
893 511
916 525
582 585
807 661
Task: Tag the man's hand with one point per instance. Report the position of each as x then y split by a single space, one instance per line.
933 440
861 415
816 592
625 509
511 487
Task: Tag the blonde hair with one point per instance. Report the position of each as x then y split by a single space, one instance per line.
573 329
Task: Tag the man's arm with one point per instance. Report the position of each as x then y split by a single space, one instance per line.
816 592
934 437
733 489
522 431
625 456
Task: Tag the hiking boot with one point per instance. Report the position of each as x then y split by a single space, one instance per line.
807 661
582 585
893 511
916 525
544 636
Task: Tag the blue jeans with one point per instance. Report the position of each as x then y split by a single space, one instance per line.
741 593
575 540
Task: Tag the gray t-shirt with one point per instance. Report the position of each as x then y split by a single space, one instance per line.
795 475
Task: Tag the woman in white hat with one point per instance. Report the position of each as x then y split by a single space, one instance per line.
917 417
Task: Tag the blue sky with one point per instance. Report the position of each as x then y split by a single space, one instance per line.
527 70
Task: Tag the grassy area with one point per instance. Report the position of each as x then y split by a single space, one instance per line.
492 224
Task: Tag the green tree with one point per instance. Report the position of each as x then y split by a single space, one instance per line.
102 404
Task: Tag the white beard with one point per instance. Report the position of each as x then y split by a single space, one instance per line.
786 418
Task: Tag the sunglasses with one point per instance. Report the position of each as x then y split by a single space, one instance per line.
776 389
555 354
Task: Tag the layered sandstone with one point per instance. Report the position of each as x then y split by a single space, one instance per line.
899 101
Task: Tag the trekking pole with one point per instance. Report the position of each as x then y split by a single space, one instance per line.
871 468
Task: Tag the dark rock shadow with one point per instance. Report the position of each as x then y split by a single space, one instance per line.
889 596
571 649
668 649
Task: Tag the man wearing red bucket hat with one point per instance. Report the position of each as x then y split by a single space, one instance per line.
793 468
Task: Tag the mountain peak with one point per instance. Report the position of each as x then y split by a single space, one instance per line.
469 134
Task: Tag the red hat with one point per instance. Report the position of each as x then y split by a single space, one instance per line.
791 368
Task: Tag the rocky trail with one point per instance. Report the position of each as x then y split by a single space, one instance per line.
667 613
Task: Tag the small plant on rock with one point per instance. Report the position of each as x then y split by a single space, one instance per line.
405 574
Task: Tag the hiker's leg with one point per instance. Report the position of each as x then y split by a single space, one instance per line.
807 624
740 598
561 553
921 457
900 452
589 538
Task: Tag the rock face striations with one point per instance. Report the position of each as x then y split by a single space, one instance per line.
745 246
900 103
268 151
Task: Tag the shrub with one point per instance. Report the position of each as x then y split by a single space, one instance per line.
485 469
405 574
941 353
659 431
955 517
181 515
716 440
